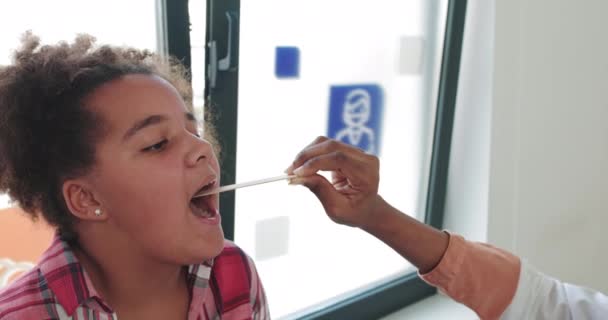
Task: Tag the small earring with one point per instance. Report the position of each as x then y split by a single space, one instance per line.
98 212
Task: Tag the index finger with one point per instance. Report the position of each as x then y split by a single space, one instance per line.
316 155
317 140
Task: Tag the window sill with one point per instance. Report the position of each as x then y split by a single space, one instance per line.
435 307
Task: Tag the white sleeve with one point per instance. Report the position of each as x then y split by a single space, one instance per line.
541 297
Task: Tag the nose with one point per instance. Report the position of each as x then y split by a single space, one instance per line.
199 150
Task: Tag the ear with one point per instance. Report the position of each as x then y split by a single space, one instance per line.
81 201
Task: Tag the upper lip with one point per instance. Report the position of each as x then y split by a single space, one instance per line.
210 180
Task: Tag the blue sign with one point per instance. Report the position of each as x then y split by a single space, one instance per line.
355 116
287 62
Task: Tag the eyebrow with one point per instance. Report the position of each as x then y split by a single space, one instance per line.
150 121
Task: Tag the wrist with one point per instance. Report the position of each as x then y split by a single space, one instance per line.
422 245
380 218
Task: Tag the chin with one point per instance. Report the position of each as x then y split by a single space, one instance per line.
209 249
217 247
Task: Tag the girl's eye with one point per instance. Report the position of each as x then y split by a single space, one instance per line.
156 147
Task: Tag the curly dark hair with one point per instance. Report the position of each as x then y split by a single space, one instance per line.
47 134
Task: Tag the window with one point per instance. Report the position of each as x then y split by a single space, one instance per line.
287 67
279 73
366 52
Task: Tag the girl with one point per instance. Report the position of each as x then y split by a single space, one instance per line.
101 142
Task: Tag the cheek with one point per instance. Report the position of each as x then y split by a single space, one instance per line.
216 165
143 194
149 214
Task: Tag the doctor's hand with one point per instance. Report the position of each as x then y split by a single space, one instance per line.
351 197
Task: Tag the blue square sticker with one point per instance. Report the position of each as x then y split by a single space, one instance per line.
287 62
355 116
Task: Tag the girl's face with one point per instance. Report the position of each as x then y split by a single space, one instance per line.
149 164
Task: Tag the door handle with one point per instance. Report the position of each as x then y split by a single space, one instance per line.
229 61
226 63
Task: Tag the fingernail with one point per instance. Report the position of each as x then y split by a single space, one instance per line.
294 181
298 170
288 170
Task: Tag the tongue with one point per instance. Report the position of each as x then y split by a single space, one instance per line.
200 208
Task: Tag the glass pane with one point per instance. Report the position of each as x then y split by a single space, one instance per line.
198 20
117 22
365 72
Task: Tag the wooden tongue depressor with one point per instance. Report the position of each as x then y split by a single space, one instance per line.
244 184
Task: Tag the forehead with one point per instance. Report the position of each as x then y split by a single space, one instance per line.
122 101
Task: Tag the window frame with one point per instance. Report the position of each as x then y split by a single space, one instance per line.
389 296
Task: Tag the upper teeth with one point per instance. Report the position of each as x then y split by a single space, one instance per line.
207 185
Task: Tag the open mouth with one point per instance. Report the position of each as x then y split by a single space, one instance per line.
205 206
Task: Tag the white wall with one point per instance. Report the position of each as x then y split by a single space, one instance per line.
542 177
549 149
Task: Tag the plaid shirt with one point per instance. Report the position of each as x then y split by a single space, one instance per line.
58 288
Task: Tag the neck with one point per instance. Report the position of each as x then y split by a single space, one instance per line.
125 277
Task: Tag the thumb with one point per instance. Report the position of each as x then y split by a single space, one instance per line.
322 188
